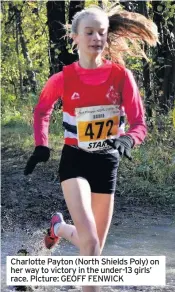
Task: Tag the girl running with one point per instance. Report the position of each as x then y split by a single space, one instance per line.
96 93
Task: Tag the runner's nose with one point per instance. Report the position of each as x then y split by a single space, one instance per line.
96 36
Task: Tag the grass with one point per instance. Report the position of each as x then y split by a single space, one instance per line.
17 129
148 179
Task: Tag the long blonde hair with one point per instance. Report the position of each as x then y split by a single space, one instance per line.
127 32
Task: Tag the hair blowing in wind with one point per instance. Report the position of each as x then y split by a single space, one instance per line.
127 32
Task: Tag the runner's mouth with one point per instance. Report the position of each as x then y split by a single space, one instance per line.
96 47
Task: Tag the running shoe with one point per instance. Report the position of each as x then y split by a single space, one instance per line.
51 239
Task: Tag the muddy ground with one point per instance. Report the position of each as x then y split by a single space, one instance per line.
28 202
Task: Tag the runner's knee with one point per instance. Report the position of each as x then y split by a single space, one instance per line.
90 245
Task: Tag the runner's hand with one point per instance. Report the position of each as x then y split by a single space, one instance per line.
40 154
123 144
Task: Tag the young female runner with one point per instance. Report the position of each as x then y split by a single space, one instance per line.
95 93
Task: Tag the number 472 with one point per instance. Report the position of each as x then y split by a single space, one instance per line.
101 126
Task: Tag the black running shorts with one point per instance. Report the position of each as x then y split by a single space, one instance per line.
99 169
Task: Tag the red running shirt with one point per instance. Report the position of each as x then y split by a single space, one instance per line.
79 87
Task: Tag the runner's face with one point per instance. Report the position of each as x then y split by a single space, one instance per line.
92 35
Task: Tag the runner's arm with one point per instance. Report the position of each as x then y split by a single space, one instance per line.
51 92
132 102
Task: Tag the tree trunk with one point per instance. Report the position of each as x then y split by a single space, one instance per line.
12 15
142 9
19 63
59 43
74 7
173 69
164 57
57 48
31 78
168 86
100 4
129 5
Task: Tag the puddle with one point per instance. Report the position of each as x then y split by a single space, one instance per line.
132 234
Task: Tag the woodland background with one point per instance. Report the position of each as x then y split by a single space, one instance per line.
34 47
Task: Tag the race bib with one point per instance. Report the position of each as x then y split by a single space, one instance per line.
96 124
